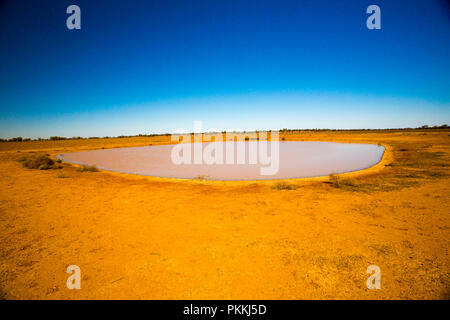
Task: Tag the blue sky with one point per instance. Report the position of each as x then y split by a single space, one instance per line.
156 66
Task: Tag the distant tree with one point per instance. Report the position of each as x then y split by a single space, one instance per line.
57 138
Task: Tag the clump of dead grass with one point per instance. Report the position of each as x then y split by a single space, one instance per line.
284 186
62 176
85 168
342 183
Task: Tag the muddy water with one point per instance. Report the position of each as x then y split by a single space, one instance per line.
296 160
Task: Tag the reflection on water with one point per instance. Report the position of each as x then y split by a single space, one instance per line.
296 160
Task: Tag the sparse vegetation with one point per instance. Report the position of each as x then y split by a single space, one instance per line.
85 168
41 162
339 182
284 186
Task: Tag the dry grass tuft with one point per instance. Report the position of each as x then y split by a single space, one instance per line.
340 183
284 186
85 168
62 176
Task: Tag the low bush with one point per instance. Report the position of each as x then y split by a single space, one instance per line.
41 162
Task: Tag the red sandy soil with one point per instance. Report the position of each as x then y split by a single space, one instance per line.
136 237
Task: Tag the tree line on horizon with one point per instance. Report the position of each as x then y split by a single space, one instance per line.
56 138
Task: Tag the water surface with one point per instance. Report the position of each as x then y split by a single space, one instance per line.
296 160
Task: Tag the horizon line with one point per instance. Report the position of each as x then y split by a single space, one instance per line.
55 138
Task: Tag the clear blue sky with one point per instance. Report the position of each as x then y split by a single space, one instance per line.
156 66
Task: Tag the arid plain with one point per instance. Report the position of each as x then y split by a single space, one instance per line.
137 237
